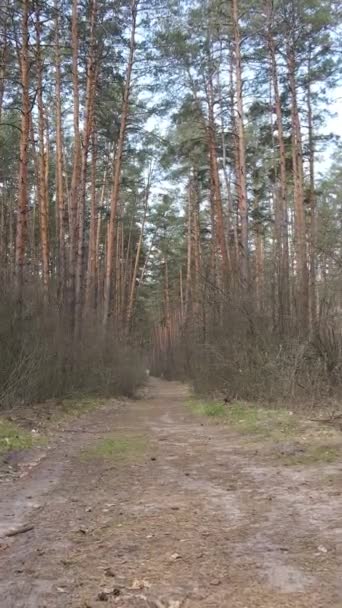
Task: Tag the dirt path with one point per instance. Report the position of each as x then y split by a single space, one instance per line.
182 513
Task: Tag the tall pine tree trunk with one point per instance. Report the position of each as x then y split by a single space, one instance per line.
132 291
216 185
4 51
42 162
88 130
241 169
22 213
299 211
90 300
189 250
111 248
283 246
312 204
76 164
60 198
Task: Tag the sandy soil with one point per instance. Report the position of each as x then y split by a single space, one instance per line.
189 515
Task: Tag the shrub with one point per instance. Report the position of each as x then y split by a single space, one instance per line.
40 358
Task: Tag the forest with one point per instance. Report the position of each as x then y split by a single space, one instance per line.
170 197
170 303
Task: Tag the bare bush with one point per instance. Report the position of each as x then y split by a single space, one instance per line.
244 357
40 358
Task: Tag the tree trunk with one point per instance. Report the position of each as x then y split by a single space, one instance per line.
90 300
312 205
196 245
76 166
42 162
189 250
299 211
131 299
21 233
283 246
60 199
242 187
117 171
215 181
236 170
259 260
167 296
88 130
3 57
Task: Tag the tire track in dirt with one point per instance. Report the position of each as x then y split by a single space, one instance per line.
197 519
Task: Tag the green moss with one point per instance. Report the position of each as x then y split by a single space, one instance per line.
116 448
13 437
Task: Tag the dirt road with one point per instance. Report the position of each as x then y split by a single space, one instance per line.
147 505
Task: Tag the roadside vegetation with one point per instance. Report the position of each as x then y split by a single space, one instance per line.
14 437
116 448
289 437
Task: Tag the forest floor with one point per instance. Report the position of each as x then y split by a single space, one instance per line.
151 504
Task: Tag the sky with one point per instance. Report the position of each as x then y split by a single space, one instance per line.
333 125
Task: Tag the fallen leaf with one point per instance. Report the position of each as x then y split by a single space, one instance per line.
83 531
215 582
140 584
175 556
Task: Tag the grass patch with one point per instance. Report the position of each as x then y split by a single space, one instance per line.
116 448
13 437
249 419
74 408
315 454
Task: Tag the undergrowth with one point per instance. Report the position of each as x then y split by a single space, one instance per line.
314 454
76 407
249 419
12 437
304 445
116 448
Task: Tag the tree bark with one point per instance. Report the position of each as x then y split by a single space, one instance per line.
215 181
242 187
283 245
259 260
76 166
88 130
299 211
42 162
4 46
60 198
131 299
189 250
312 204
21 232
90 300
109 265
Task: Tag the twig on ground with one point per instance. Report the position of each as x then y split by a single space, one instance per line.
20 530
